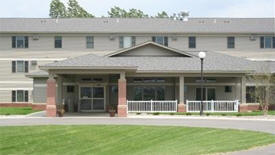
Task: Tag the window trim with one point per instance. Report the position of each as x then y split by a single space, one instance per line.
263 42
164 38
231 43
14 40
190 41
14 66
14 97
121 41
90 41
56 39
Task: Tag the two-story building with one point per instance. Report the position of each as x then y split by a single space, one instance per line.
93 64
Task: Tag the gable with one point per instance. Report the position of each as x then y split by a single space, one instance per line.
149 50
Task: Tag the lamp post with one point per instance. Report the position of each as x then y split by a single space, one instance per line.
201 56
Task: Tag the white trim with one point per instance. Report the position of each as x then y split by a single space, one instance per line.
39 85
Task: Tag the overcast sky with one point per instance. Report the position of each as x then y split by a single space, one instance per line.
197 8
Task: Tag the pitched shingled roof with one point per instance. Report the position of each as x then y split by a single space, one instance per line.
214 63
134 25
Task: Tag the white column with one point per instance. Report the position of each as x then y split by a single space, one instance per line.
181 89
243 89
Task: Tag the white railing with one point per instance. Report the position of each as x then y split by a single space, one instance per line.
152 106
212 106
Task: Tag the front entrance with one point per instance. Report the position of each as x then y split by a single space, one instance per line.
92 99
208 94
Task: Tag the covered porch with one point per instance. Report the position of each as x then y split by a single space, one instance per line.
126 92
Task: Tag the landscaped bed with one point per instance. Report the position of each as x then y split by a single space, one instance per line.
16 110
253 113
117 140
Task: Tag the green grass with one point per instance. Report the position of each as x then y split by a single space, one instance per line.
253 113
16 111
126 140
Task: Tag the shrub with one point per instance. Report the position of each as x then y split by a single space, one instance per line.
188 114
207 114
223 114
138 113
172 113
239 114
156 113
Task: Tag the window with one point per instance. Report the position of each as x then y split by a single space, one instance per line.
20 41
267 42
250 94
58 42
125 42
149 93
90 42
20 96
70 89
192 42
230 42
228 89
163 40
20 66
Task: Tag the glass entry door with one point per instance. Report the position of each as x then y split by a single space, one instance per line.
92 99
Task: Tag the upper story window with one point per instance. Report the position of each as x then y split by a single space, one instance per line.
192 42
267 42
20 66
90 42
230 42
57 42
20 96
20 41
125 42
163 40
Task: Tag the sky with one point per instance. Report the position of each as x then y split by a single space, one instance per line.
197 8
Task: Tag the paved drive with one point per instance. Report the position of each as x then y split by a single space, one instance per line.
254 125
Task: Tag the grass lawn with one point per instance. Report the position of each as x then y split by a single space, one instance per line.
126 140
253 113
16 111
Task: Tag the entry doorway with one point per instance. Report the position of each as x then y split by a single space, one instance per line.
208 94
92 99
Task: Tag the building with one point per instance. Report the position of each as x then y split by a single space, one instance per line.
95 60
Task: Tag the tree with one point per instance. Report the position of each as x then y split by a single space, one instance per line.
75 10
264 92
117 12
57 9
162 14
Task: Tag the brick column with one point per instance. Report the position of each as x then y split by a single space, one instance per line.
122 105
51 98
181 105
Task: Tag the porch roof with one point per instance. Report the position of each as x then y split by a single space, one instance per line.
214 63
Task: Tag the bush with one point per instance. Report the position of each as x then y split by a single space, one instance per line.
156 113
172 113
138 113
223 114
239 114
188 114
207 114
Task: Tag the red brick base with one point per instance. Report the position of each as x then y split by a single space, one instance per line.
15 104
122 110
51 111
38 106
248 107
181 108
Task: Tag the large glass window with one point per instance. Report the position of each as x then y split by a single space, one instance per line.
149 93
20 42
267 42
20 96
90 42
20 66
126 41
230 42
91 98
57 42
192 42
163 40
